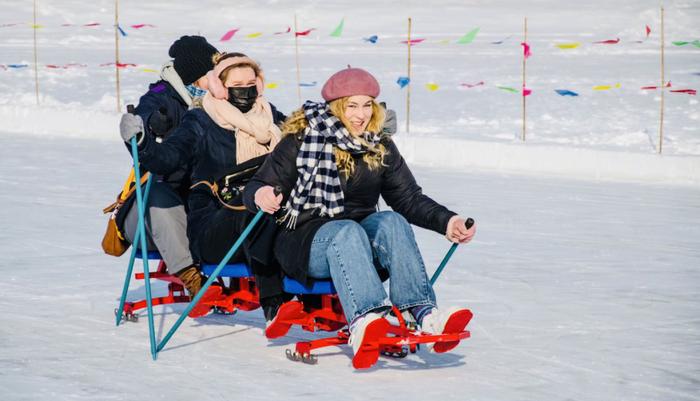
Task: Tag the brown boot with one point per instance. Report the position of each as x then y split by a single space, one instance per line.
192 279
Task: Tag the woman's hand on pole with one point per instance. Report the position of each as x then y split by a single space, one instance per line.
267 200
458 232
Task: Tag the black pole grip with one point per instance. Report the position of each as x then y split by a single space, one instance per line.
469 223
277 190
130 109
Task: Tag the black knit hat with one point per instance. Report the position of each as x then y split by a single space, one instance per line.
192 57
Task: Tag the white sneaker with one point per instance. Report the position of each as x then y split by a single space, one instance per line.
435 322
357 330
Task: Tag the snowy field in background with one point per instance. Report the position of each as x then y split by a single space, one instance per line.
81 101
580 290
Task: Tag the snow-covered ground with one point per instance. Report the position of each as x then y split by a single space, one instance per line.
81 100
580 290
583 278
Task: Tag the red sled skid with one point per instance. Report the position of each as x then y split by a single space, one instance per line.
240 294
381 337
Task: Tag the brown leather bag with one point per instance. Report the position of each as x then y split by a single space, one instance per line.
113 242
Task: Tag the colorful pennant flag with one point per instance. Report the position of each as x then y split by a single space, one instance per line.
120 65
304 33
566 46
36 26
648 31
695 43
289 29
139 26
526 50
526 91
468 37
608 42
605 87
18 65
692 92
413 41
253 35
565 92
432 86
403 81
480 83
372 39
271 85
92 24
668 85
339 29
149 70
228 35
67 24
307 84
121 30
507 89
500 42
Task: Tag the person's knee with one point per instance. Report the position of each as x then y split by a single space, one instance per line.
350 231
390 220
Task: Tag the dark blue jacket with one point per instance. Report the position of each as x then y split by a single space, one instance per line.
212 151
161 109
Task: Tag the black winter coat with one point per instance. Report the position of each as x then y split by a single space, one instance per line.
161 109
394 182
212 152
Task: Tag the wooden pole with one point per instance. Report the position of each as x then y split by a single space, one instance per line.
36 60
524 76
663 85
116 54
408 87
296 49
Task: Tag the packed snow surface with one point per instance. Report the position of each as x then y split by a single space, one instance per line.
583 277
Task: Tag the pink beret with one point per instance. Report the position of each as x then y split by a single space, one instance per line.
350 82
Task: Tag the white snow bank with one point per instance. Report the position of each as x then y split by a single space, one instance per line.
53 119
590 164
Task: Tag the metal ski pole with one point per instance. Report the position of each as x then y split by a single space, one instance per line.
132 258
211 279
468 224
142 231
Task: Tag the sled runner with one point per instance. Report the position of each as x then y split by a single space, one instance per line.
176 290
395 339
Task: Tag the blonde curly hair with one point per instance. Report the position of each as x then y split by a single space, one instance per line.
297 123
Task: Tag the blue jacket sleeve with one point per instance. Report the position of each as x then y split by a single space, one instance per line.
176 150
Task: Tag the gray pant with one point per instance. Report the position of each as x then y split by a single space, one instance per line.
166 227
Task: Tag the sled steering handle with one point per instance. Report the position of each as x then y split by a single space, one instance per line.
468 224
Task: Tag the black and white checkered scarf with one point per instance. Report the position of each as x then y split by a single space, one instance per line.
318 183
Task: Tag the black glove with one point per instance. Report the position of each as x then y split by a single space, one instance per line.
160 123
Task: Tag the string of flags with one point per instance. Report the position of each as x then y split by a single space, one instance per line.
402 81
467 38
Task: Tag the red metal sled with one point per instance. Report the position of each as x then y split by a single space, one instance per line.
240 294
395 340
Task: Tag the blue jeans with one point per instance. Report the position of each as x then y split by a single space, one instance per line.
346 251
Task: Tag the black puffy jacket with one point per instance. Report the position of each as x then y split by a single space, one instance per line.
394 182
211 150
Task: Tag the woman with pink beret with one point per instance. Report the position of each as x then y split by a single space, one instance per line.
333 164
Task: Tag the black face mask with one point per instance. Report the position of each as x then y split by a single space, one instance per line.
243 98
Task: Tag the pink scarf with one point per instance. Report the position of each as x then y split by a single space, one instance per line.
256 132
